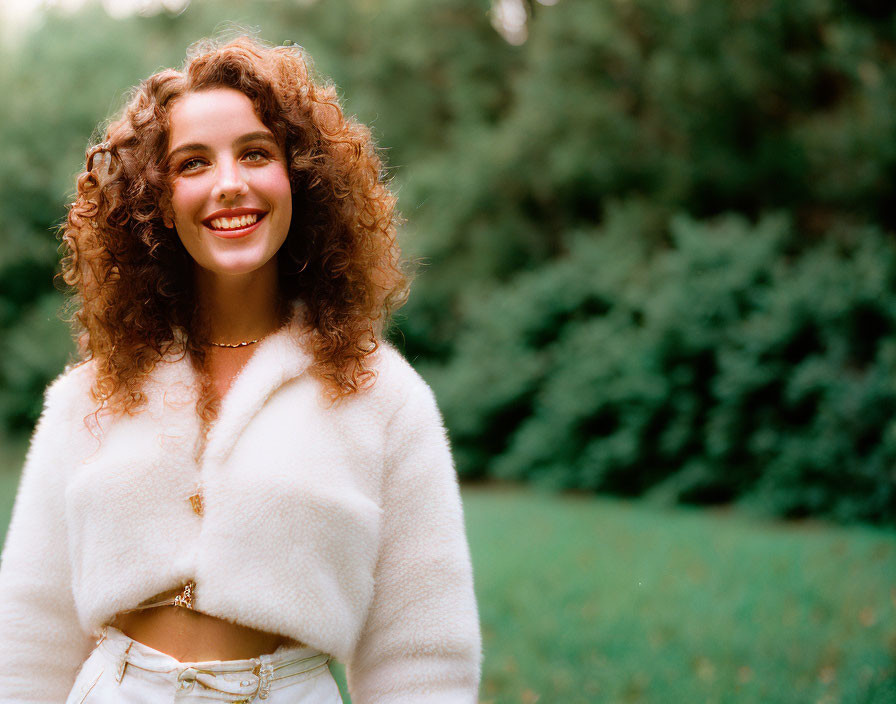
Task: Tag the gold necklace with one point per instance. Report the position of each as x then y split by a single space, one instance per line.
240 344
235 344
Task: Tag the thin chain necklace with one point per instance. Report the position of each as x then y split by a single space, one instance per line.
240 344
235 344
232 345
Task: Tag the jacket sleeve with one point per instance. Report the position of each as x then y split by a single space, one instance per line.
41 641
421 642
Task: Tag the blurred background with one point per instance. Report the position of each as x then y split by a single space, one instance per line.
657 304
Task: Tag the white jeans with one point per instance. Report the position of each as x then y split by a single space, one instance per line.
125 671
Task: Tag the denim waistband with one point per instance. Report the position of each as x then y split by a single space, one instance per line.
254 676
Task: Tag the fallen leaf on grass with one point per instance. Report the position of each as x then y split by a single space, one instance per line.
867 617
561 679
704 668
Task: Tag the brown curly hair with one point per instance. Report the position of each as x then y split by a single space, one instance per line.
132 277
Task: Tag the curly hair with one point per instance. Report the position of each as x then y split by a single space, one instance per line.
132 277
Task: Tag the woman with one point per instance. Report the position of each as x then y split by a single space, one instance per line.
241 479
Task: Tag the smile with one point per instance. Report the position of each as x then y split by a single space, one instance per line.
234 227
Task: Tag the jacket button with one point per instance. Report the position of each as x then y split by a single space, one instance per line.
196 503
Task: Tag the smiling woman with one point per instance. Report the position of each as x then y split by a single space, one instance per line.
240 479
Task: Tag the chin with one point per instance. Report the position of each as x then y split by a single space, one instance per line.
234 266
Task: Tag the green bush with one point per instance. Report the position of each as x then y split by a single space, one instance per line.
731 365
806 390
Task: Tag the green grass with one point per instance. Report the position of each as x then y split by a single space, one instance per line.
593 600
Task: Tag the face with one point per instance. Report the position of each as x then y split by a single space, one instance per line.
230 195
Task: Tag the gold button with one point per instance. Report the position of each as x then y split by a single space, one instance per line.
196 503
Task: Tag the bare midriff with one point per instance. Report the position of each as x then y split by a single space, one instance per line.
192 636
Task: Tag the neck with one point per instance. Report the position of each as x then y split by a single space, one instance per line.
239 308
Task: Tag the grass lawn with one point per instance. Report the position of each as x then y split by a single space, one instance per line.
594 600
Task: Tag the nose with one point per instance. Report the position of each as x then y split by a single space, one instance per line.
230 181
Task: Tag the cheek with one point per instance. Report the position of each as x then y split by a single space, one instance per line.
275 184
186 199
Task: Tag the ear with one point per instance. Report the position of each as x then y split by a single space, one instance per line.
168 222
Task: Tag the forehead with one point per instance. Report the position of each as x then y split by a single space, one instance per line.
213 116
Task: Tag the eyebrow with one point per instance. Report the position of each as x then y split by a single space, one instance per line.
249 137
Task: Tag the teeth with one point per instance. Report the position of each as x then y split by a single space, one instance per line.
234 223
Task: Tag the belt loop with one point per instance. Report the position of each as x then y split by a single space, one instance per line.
123 663
265 672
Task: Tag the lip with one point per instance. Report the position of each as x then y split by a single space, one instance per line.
233 213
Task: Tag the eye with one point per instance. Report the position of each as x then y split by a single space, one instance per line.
190 164
256 155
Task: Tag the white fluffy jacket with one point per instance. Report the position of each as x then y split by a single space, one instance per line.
338 525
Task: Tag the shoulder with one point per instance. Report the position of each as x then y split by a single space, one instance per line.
396 380
76 378
69 392
414 414
417 445
57 435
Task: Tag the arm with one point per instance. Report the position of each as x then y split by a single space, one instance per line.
421 642
40 638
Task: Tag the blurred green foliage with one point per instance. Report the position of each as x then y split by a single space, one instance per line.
717 368
656 236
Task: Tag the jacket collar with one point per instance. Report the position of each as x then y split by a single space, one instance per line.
281 356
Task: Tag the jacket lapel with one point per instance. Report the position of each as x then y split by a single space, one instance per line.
279 357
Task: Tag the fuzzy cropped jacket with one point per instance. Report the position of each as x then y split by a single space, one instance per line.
338 525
